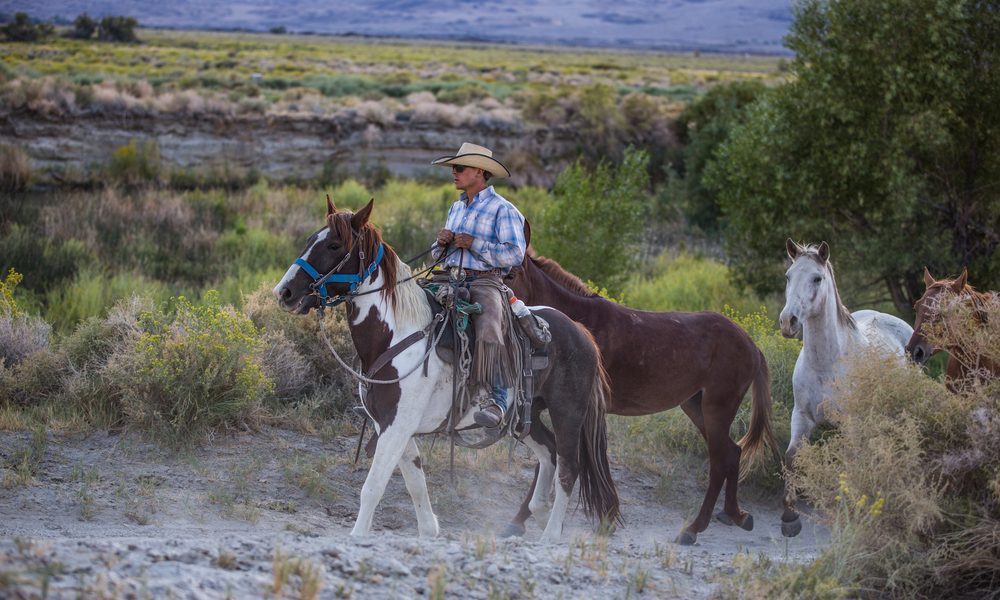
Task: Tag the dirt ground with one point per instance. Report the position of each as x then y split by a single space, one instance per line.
268 515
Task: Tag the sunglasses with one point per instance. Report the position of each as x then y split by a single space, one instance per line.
457 168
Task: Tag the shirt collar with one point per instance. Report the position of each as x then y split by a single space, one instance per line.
486 192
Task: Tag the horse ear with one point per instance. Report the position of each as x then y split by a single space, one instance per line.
824 251
959 284
928 278
360 218
330 208
792 249
527 233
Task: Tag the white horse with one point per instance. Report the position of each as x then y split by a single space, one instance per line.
348 260
830 334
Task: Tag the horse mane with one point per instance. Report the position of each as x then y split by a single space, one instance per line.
843 314
979 299
560 275
407 301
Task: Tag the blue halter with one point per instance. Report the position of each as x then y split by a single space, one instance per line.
321 281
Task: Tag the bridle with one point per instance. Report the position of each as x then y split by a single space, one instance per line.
318 286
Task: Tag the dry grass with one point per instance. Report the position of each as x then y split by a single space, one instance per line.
909 482
15 168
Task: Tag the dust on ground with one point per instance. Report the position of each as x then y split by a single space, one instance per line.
269 514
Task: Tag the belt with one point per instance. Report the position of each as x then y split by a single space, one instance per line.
493 272
496 272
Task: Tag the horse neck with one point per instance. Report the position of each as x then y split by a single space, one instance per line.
824 336
546 291
376 323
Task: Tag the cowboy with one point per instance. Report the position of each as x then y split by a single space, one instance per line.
484 236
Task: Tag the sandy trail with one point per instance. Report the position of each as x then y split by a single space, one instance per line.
114 516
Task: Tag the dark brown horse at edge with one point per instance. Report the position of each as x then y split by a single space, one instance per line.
960 362
702 362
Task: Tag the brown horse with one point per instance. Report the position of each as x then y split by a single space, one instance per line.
960 362
702 362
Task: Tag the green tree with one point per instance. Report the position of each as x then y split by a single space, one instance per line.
118 29
21 29
886 144
83 27
594 224
701 128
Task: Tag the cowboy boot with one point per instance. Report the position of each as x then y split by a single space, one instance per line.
489 416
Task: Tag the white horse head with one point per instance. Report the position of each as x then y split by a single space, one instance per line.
810 289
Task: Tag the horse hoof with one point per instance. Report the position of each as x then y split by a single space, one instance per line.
791 528
727 520
512 530
686 538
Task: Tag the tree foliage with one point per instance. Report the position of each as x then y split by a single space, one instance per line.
83 27
702 127
594 224
886 144
21 29
118 29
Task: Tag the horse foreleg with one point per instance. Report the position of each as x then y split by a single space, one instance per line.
391 445
802 428
416 484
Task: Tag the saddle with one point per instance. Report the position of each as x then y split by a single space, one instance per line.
458 338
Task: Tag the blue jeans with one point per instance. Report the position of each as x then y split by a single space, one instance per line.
500 396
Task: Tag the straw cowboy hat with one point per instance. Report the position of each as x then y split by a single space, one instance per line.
471 155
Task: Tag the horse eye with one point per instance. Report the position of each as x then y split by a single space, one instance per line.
333 247
817 279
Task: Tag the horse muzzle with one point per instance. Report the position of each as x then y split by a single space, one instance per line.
920 352
791 327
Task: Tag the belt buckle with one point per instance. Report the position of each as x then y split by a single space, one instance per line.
456 273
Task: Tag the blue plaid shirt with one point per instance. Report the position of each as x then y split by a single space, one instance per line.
496 225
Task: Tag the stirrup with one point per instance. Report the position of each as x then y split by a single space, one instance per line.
490 416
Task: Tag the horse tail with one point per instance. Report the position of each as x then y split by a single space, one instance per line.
597 490
759 434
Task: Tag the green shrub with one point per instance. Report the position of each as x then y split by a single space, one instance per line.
195 372
136 162
83 27
594 224
118 29
328 382
91 293
688 283
98 353
45 263
15 168
21 29
253 250
33 380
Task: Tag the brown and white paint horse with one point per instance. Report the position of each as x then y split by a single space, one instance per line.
702 362
960 362
383 307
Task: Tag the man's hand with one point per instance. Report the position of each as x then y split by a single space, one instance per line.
463 240
445 236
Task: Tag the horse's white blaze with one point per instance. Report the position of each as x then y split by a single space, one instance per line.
829 336
294 269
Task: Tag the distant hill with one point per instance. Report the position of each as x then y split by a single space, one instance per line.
754 26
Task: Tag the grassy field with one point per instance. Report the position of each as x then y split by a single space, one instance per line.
337 66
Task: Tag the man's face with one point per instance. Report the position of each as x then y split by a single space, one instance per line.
464 177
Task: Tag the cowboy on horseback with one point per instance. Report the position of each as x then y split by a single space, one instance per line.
484 236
